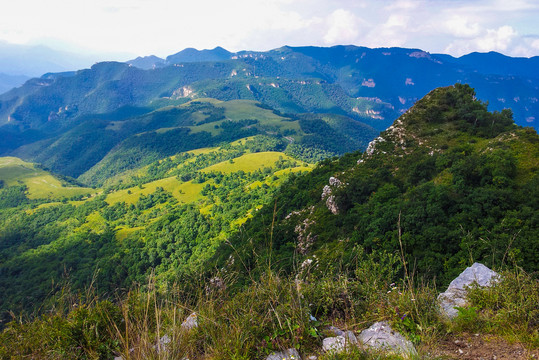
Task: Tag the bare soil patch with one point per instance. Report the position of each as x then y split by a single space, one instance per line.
481 347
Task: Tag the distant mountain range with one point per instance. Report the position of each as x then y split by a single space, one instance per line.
370 86
8 82
18 63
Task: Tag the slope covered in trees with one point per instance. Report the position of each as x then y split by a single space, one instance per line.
448 183
165 219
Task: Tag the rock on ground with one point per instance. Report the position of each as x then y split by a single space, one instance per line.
455 295
340 341
191 322
381 336
290 354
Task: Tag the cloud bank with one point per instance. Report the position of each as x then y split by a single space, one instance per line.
163 27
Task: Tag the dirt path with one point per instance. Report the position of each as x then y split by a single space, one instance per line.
481 347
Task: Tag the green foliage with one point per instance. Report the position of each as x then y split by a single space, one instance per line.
270 313
467 319
439 192
457 104
471 199
124 241
510 305
13 196
83 334
96 147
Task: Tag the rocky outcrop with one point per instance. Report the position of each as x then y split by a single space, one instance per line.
183 92
455 295
163 344
305 236
380 336
215 285
327 194
372 145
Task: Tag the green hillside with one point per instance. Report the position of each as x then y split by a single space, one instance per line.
457 182
100 147
167 217
39 184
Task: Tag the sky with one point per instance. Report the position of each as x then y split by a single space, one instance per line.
128 28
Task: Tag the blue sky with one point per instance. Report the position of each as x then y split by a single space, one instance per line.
162 27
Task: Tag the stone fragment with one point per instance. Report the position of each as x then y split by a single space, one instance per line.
339 343
335 331
163 342
335 344
191 322
381 336
455 295
290 354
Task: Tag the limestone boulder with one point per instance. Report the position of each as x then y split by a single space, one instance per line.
455 295
381 336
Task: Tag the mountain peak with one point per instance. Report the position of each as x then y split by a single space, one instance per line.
442 114
194 55
147 62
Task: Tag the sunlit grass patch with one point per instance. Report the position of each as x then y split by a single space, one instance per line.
249 162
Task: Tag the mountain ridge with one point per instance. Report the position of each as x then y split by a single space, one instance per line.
371 86
441 176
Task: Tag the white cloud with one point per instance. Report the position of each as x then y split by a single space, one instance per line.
498 39
162 27
343 27
403 5
397 21
461 27
394 31
489 40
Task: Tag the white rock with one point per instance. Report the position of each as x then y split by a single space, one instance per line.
191 322
351 338
165 340
326 191
335 331
455 295
339 343
290 354
372 145
381 336
334 344
333 181
330 198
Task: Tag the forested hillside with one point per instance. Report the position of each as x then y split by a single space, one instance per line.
449 182
166 218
